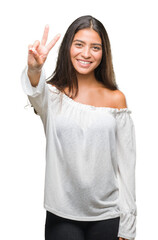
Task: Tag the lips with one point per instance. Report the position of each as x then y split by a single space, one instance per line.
84 62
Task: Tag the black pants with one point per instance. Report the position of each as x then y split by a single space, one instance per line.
58 228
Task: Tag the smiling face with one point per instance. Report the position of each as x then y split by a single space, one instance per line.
86 51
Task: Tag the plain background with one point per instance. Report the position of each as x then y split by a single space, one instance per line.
132 29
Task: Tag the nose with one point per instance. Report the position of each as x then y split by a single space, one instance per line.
86 52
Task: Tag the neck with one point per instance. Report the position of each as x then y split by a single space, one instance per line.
86 80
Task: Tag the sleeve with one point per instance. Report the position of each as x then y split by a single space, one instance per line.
36 95
126 159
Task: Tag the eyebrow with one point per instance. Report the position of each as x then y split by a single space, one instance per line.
77 40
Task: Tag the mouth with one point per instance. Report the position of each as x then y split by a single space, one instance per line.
84 63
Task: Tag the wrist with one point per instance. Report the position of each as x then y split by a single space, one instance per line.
34 71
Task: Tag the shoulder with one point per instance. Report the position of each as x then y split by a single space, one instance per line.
119 99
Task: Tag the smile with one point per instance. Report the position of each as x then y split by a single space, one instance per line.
84 62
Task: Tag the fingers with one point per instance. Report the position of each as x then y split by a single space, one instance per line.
53 42
45 35
32 50
37 53
36 44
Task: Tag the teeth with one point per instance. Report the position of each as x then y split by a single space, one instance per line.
84 62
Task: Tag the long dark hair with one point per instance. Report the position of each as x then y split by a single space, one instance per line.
64 74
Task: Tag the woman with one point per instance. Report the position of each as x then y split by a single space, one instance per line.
90 137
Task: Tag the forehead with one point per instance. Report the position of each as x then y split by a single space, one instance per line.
87 35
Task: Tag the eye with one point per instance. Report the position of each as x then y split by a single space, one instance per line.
78 45
96 48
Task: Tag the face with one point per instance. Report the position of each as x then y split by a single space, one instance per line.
86 51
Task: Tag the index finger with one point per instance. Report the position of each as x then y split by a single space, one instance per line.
45 35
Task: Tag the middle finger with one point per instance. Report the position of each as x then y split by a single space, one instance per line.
53 42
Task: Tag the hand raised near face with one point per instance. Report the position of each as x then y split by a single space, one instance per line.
38 52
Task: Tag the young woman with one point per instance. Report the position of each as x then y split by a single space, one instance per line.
90 137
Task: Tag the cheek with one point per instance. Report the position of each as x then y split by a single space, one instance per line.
99 57
73 52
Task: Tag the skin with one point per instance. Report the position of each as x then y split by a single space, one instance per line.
86 46
37 55
89 88
86 55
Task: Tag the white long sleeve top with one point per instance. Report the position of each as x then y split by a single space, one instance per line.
90 157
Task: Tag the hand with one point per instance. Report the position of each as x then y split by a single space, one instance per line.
38 52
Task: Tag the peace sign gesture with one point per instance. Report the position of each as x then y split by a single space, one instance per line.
38 52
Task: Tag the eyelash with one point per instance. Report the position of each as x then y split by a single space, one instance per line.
96 48
80 45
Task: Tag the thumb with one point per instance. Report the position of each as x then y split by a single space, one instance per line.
39 59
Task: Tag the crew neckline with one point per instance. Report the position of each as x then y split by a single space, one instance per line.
88 106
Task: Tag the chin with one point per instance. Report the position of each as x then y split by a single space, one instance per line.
85 72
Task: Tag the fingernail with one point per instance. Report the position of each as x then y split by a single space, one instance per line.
32 49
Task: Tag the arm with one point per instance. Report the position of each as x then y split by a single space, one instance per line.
36 95
126 158
33 77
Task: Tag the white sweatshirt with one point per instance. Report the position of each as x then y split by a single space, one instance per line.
90 158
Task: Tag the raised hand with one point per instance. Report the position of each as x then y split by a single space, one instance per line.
38 52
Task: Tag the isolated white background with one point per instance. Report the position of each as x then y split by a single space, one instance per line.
132 29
